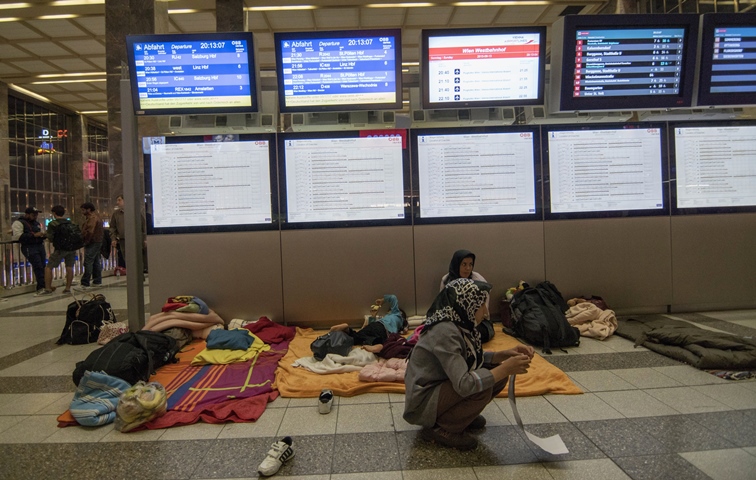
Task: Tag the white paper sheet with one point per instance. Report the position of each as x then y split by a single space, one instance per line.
553 445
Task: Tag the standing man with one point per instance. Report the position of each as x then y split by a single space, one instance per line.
28 232
118 228
59 211
92 232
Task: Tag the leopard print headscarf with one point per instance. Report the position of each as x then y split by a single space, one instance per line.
457 303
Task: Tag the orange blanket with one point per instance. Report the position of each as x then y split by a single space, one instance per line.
294 382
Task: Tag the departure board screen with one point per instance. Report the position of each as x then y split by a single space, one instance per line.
173 74
343 179
211 184
603 169
476 174
320 71
623 62
728 60
715 166
483 67
612 62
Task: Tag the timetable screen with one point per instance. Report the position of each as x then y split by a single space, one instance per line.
733 63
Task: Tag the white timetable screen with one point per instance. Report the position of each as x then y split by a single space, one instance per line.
605 170
716 166
476 174
343 179
209 184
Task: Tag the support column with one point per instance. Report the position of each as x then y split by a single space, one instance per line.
230 16
5 220
77 170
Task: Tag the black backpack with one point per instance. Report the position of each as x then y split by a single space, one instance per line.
84 320
131 356
538 316
106 241
68 237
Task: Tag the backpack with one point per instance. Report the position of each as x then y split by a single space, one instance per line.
538 317
132 356
68 237
84 320
106 241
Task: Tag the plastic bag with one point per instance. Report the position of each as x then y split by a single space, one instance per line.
140 404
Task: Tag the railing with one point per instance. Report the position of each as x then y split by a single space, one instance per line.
17 271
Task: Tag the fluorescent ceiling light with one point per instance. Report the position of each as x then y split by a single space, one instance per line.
29 93
74 3
85 80
179 11
503 3
410 64
60 75
56 17
94 112
10 6
282 7
10 19
399 5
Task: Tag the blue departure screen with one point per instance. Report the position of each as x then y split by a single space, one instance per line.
734 60
339 71
193 74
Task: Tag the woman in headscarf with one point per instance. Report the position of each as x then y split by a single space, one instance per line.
450 379
461 266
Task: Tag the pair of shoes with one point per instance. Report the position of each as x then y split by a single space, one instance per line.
478 423
278 454
83 288
325 401
460 441
43 292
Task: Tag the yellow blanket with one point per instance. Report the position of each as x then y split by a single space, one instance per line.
293 382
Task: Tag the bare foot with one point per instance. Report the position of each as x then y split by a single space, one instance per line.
339 328
373 348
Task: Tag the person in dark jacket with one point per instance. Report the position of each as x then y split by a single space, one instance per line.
59 211
28 232
92 232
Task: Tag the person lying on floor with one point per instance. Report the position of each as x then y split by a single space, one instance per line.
449 379
376 331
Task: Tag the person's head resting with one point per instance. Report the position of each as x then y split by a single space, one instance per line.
461 265
31 213
87 208
59 211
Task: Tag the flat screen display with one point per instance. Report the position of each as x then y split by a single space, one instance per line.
606 169
715 165
210 182
615 62
475 174
728 60
339 71
342 180
192 73
483 67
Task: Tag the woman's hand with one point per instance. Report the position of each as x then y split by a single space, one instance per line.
516 365
523 350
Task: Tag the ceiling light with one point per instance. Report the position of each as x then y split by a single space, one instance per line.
94 112
28 93
60 75
74 3
179 11
9 19
56 17
410 64
283 7
9 6
85 80
399 5
503 3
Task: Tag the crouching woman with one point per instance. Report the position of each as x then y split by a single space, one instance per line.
449 379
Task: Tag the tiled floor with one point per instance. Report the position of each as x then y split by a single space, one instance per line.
642 416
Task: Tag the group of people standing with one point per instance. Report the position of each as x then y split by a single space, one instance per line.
29 233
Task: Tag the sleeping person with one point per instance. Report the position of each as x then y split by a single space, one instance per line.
377 330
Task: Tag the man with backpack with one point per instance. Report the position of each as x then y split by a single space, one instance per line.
92 232
66 239
28 232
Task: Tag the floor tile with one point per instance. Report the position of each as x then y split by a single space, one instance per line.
400 425
687 400
79 434
646 378
621 438
312 455
434 474
311 402
583 407
679 433
610 361
579 445
375 417
32 429
655 467
534 471
736 426
601 469
532 410
750 450
619 344
27 403
357 452
733 395
7 421
265 426
636 403
688 375
365 398
396 398
601 381
365 476
138 436
307 421
197 431
733 464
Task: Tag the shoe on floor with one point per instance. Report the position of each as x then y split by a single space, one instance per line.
478 423
278 454
83 288
67 290
43 292
460 441
325 401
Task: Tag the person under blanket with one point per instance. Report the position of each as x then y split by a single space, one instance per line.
377 331
450 379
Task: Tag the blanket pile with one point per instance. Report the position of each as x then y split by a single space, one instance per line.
186 312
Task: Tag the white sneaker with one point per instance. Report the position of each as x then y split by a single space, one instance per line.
43 292
325 401
280 452
83 288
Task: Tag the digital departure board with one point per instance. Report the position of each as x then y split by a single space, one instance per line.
623 62
483 67
728 60
197 73
339 71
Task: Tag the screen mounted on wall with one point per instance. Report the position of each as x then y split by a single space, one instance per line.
714 166
212 183
339 71
484 67
192 73
623 62
344 179
474 175
605 170
728 59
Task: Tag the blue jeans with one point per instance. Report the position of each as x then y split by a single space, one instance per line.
92 264
36 255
